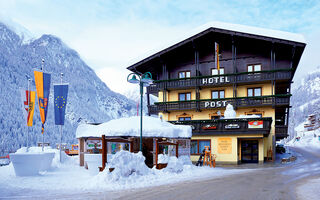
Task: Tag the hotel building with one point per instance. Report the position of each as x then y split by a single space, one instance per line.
256 68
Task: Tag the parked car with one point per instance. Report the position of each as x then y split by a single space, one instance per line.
280 148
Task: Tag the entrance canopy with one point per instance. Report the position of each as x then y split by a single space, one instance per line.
152 127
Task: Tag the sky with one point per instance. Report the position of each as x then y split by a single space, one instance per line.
109 35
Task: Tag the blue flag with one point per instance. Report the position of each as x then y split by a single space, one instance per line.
60 103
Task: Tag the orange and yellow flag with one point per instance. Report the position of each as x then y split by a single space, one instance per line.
28 102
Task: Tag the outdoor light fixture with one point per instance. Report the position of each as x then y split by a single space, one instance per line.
144 80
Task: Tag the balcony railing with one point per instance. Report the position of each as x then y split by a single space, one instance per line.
274 100
281 131
218 80
229 126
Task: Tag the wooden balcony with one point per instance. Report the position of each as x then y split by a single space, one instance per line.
219 80
274 100
281 131
229 126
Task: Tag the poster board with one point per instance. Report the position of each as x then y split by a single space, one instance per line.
224 145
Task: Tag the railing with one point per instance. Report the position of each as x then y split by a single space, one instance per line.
218 80
281 131
229 126
274 100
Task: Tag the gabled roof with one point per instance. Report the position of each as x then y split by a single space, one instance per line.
231 29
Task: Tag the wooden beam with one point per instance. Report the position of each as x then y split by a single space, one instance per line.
104 152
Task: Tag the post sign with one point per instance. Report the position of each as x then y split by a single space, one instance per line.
215 80
224 145
215 104
255 124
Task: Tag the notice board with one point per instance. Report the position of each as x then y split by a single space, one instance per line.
224 145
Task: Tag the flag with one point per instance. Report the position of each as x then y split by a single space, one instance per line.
42 81
60 103
28 102
216 45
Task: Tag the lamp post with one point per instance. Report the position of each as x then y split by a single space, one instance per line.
143 80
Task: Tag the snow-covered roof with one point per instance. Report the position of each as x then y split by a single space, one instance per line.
152 127
288 36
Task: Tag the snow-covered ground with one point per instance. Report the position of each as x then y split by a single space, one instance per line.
130 172
309 141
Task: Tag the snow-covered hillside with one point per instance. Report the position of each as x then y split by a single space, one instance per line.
89 99
305 99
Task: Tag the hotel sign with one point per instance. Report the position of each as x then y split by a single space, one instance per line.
215 104
215 80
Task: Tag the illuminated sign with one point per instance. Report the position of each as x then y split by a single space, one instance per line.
209 127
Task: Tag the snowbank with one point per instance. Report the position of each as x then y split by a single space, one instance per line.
129 173
307 140
152 127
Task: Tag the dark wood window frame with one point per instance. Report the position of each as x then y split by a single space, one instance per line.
198 145
219 97
185 73
253 67
185 96
253 95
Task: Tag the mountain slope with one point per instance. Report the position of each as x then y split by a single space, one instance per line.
89 99
305 99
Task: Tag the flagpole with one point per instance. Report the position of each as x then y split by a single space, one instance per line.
42 68
29 94
61 76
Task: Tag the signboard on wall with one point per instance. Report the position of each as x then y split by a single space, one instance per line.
215 104
255 124
215 80
232 126
224 145
92 143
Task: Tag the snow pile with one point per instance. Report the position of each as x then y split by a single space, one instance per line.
249 116
175 165
229 113
308 140
152 127
35 150
163 158
126 164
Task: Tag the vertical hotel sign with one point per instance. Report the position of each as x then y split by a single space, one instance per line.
42 81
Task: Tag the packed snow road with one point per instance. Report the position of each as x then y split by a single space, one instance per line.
269 182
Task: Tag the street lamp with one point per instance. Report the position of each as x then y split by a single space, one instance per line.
143 80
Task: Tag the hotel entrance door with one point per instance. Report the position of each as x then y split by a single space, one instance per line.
249 151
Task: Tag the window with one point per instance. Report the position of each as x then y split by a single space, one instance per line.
254 68
184 96
197 146
185 74
217 72
184 118
254 92
217 94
